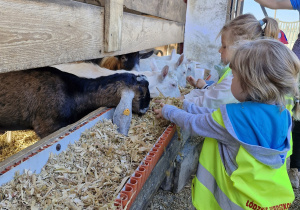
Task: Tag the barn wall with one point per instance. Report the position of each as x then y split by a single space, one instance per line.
204 21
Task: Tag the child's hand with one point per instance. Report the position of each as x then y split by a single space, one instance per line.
191 80
158 112
181 97
200 83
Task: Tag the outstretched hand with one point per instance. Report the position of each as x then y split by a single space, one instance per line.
158 112
198 84
191 80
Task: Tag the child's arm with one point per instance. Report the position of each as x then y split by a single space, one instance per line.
196 124
214 96
276 4
194 109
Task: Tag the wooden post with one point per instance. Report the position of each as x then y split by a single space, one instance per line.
113 25
239 8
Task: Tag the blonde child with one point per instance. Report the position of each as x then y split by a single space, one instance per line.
242 162
243 27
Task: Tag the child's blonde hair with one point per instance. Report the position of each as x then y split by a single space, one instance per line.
247 27
268 71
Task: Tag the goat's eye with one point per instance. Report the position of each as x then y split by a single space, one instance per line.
123 58
173 85
189 69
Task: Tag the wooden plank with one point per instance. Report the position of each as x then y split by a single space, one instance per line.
47 32
233 9
229 9
94 2
113 25
168 9
241 8
159 172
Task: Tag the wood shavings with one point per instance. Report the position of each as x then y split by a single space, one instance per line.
170 100
90 173
20 140
73 180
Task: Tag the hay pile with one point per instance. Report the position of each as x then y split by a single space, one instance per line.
19 141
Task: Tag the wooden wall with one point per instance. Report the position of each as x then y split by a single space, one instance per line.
35 33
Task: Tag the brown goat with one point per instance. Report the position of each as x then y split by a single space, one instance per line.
46 99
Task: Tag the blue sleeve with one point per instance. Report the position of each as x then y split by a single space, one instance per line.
296 4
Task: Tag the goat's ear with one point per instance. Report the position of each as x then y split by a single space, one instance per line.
153 65
165 71
180 60
173 54
146 54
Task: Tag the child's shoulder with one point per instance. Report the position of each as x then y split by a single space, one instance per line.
255 110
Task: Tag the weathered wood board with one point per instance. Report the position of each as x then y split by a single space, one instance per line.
113 25
47 32
171 10
168 9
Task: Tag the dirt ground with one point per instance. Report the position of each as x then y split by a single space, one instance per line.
165 200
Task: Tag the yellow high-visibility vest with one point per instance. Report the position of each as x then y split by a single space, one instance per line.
226 73
289 101
252 185
289 104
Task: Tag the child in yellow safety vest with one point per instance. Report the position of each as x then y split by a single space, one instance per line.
243 27
242 161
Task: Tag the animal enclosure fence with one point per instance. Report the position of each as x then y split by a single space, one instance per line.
43 33
291 30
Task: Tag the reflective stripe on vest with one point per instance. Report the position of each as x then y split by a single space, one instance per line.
226 73
252 185
289 101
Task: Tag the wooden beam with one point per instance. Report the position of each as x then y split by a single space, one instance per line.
113 25
168 9
48 32
241 8
233 9
94 2
229 9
